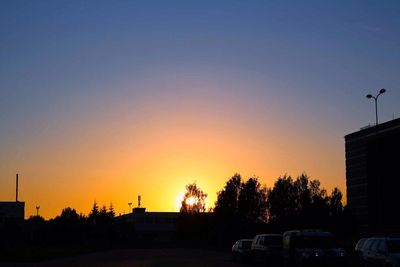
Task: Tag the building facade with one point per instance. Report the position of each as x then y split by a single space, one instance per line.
373 177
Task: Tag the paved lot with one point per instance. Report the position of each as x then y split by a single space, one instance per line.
176 257
142 258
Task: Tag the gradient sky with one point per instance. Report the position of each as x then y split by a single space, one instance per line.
105 100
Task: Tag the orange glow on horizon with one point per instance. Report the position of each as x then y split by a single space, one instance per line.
111 159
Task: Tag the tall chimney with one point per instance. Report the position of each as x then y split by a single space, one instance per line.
16 189
139 198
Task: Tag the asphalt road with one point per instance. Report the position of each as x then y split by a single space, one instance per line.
168 257
142 258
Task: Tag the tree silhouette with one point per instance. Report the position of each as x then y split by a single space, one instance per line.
193 200
111 211
94 213
302 193
103 212
69 215
252 202
335 202
282 203
302 203
227 203
247 200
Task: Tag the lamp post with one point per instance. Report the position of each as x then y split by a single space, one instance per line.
130 204
369 96
377 163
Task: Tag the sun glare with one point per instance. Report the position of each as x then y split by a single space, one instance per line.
179 199
190 201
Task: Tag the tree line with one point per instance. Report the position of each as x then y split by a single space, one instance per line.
243 209
246 207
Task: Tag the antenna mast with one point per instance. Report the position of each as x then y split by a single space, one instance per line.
16 188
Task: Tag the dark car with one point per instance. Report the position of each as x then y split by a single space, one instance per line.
359 247
312 247
241 250
267 248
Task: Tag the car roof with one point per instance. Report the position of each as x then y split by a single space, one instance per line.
310 232
383 238
361 241
393 238
245 239
269 235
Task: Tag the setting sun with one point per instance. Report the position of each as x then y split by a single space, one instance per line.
191 201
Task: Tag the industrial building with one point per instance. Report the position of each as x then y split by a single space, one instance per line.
152 221
151 226
12 210
373 177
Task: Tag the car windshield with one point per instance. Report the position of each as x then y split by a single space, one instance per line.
316 242
246 244
393 246
360 243
273 241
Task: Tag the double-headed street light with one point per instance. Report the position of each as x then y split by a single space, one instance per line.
369 96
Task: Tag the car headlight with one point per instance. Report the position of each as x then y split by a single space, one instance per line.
311 254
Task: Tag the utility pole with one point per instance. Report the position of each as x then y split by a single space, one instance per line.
16 188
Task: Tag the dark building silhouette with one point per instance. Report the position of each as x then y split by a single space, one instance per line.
12 210
160 226
152 226
373 177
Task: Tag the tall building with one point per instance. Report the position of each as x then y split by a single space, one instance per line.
373 177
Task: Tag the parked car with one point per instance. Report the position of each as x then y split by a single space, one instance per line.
381 251
359 247
311 247
241 250
267 248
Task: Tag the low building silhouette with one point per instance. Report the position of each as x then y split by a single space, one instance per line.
152 221
152 226
373 177
12 210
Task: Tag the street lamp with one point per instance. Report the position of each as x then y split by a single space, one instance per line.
130 204
369 96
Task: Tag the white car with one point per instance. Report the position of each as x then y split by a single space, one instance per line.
381 251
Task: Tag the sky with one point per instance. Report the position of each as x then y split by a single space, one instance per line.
107 100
